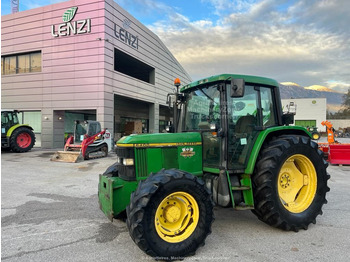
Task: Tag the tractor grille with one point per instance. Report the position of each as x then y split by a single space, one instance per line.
141 164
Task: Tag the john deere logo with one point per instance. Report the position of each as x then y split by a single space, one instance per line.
70 27
187 152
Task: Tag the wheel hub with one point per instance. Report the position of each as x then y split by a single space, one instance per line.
176 217
172 213
23 140
285 180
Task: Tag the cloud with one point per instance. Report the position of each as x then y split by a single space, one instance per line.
271 38
339 86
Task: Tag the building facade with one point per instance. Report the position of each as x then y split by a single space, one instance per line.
81 60
309 112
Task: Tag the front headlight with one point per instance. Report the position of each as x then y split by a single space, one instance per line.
128 161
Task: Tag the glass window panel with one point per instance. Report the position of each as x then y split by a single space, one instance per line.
242 120
35 62
269 117
23 64
33 119
10 65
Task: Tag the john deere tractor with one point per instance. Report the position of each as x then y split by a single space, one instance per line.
232 147
15 136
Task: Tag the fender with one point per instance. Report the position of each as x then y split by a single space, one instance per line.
12 128
265 135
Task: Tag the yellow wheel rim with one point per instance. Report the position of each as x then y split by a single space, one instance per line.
316 136
297 183
176 217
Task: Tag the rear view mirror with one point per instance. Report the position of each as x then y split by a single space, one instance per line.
237 87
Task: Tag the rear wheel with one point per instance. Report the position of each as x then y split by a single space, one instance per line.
22 140
170 214
290 183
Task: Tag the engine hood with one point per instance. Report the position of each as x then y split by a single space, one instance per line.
161 140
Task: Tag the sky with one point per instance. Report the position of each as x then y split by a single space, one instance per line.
305 42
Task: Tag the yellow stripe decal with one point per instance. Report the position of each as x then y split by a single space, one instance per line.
161 144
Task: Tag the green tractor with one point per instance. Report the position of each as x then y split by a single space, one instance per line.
232 147
15 136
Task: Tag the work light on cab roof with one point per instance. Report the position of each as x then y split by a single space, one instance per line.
177 82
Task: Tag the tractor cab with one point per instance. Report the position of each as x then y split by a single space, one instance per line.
8 119
229 115
85 129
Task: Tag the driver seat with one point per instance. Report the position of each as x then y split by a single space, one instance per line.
245 124
243 135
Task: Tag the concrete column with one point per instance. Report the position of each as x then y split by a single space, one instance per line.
46 128
58 129
153 118
105 115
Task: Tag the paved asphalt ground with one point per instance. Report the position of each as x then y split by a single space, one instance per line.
50 212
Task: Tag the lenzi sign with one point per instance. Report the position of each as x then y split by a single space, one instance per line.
122 34
69 27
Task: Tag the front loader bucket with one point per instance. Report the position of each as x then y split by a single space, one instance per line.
67 156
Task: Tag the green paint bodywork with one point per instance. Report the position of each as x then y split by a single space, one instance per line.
164 150
144 139
114 194
216 78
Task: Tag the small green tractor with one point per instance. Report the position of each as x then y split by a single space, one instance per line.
15 136
232 147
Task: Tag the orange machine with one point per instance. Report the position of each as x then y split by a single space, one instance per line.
330 131
335 152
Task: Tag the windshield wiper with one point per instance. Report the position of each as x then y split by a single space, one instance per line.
207 95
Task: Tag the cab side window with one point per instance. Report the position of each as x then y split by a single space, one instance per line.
268 108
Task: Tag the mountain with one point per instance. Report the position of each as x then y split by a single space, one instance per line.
292 90
319 88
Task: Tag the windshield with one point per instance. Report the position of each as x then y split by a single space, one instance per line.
9 118
202 109
80 131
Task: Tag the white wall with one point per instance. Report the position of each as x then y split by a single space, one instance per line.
308 109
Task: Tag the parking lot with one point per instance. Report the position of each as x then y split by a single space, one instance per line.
50 212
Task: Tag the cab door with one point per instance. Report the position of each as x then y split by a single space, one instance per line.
203 114
247 117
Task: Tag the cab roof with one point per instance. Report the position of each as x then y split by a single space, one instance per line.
247 78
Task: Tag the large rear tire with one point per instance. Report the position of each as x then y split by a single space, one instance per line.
170 214
290 183
22 140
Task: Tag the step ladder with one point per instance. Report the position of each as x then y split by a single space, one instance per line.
247 192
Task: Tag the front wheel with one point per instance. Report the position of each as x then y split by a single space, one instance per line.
315 135
22 140
170 214
290 183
